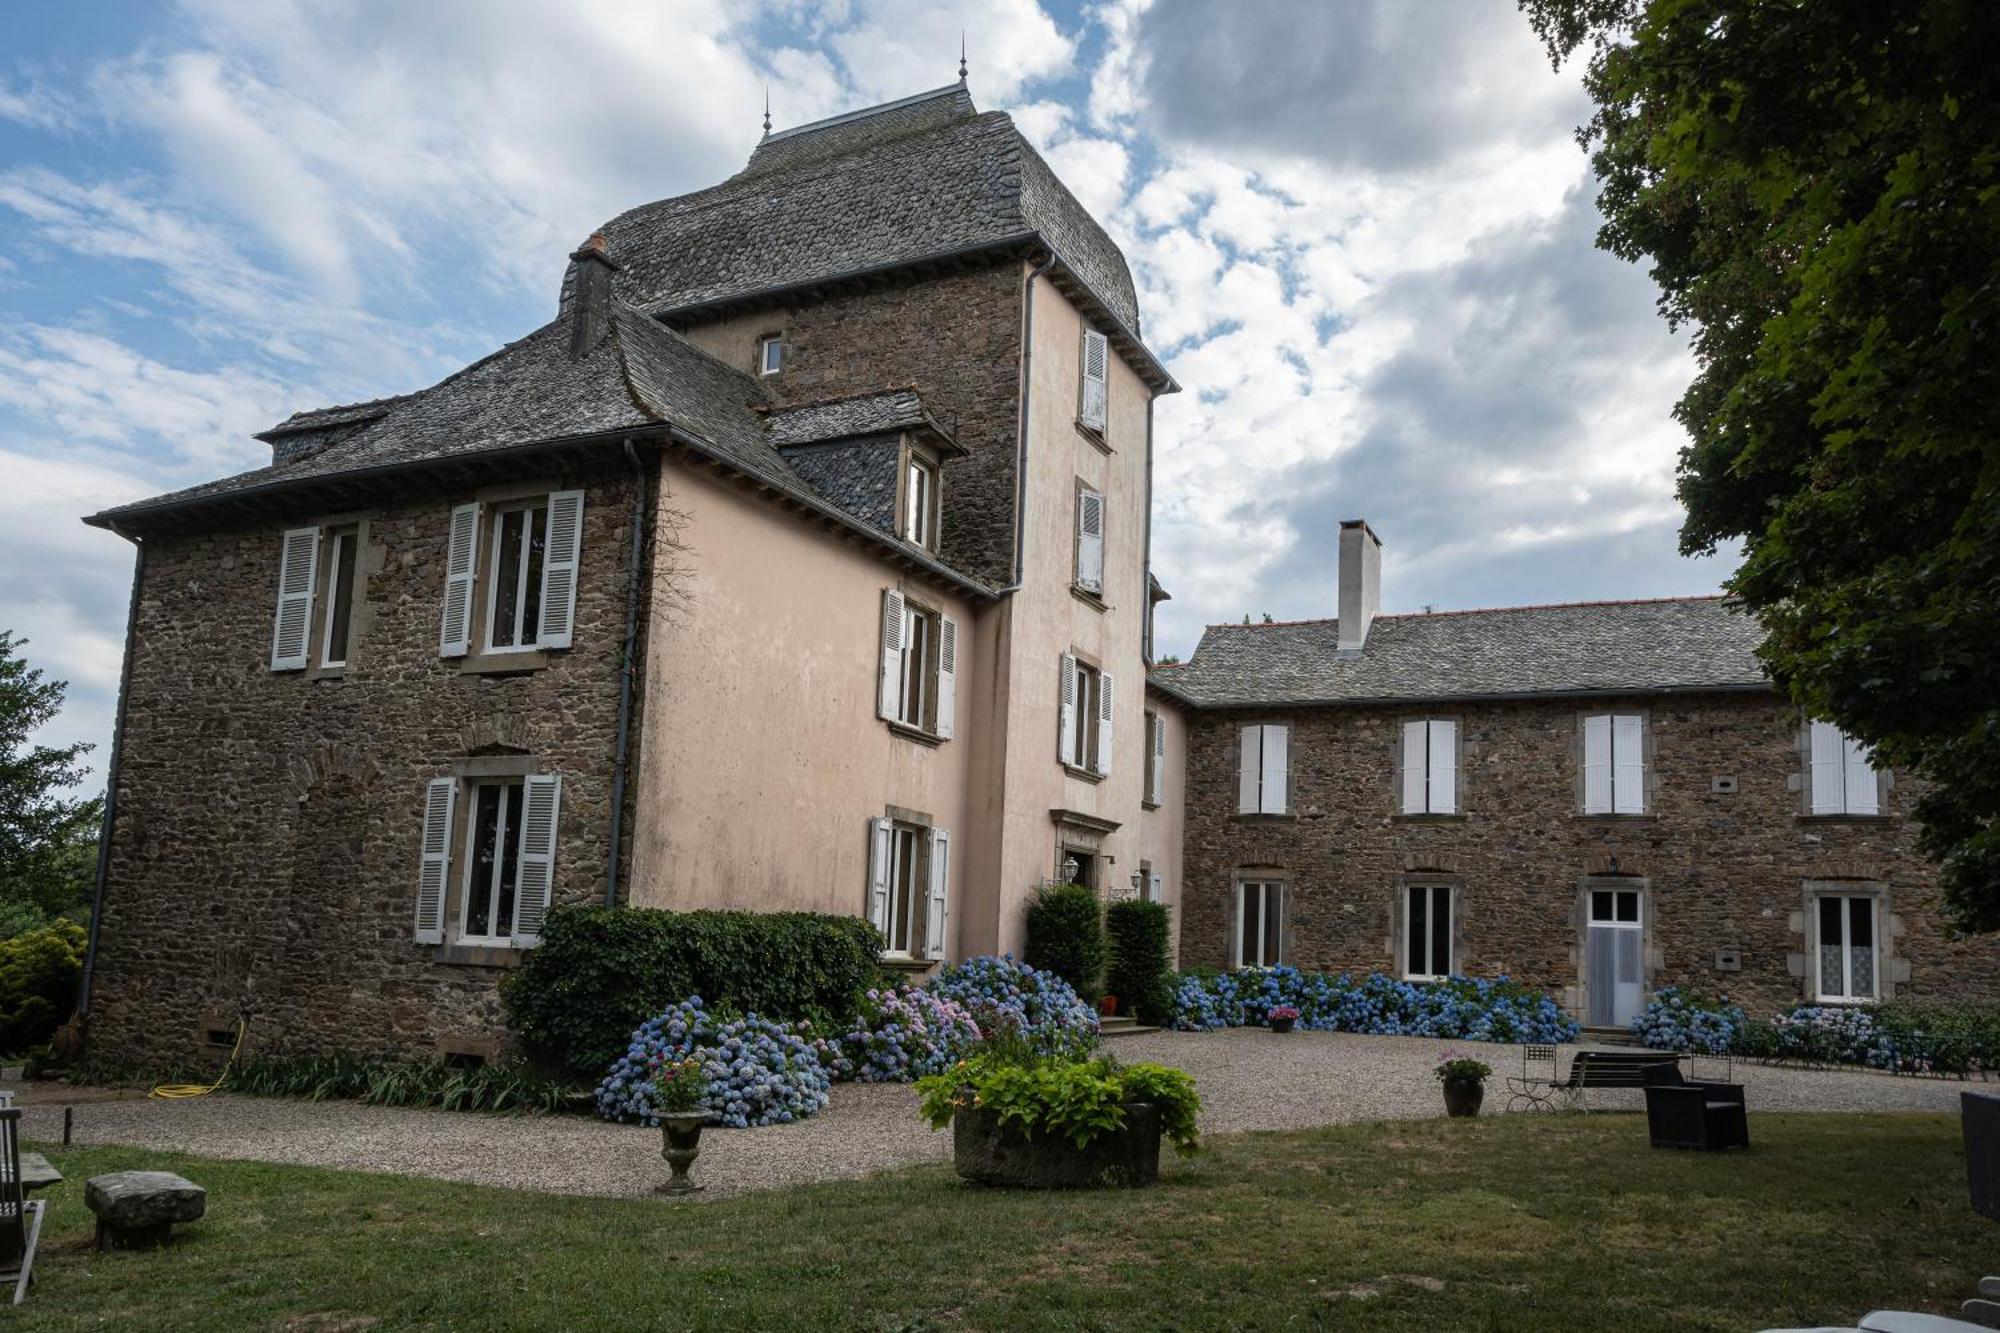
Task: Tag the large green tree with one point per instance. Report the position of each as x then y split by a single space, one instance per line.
1816 185
47 834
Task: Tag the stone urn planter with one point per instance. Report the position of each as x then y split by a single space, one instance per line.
681 1135
990 1153
1462 1096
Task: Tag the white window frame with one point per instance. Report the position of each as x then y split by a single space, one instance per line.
342 539
1270 892
767 363
1089 703
1266 802
916 676
500 938
496 530
1425 735
920 501
1846 995
1623 771
1859 782
908 863
1431 892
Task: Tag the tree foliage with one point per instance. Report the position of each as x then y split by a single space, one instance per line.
47 835
1816 184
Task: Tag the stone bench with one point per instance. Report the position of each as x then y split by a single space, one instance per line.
137 1208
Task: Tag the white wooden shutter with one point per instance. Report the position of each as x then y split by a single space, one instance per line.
1597 765
1157 792
879 833
1443 767
1628 757
541 808
1096 359
1106 692
1066 719
559 565
1829 764
461 559
1154 885
947 680
1250 770
1090 541
1415 756
298 570
1277 770
440 797
1861 785
890 670
940 886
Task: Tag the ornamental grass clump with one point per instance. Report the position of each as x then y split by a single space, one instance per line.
1685 1020
1077 1100
899 1036
757 1072
1001 994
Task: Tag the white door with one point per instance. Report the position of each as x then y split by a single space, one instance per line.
1616 957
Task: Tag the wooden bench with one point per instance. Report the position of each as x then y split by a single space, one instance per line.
1587 1070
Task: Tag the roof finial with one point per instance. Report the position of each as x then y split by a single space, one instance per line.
961 55
767 109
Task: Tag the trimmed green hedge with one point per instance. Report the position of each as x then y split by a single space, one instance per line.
1066 936
1139 936
600 972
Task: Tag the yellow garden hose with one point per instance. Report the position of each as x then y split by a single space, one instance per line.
178 1091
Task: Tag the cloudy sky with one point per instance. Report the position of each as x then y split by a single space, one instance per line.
1361 230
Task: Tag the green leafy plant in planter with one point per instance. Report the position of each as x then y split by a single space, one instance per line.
1077 1100
1464 1081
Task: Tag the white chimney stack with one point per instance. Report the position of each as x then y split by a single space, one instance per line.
1360 582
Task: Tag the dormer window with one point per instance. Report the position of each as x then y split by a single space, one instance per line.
920 501
770 354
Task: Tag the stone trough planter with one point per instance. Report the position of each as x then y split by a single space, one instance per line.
989 1153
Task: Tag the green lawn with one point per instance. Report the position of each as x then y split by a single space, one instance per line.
1516 1222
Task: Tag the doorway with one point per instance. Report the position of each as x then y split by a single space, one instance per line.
1615 957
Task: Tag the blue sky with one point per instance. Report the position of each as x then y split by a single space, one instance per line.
1361 230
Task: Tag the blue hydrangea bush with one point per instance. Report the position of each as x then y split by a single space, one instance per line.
1002 995
759 1072
1461 1008
1684 1020
899 1036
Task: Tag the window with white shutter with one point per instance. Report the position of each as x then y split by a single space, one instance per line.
440 799
1156 758
1084 717
540 819
1067 728
461 561
1264 775
889 685
1615 774
1843 777
298 573
510 848
1430 767
934 910
1089 540
918 680
1092 408
531 572
1102 745
947 678
559 569
879 838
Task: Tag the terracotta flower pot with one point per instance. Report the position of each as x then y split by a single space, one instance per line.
1462 1096
680 1132
1107 1007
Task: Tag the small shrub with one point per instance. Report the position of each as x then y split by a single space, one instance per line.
759 1072
1066 936
601 972
899 1036
1015 1000
1685 1020
1138 936
40 971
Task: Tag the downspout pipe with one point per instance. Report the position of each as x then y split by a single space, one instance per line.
1021 431
621 764
111 774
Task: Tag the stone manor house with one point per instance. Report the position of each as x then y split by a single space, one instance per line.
802 561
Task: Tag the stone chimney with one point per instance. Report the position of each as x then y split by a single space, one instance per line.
1360 582
590 295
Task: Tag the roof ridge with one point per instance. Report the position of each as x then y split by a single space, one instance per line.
861 113
1480 610
774 409
623 308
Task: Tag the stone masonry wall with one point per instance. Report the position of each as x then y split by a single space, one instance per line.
265 859
1719 869
957 338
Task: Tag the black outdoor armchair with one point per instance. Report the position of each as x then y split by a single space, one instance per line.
1680 1114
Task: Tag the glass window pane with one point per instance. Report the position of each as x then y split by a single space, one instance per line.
1441 931
1252 898
479 876
1419 931
1628 906
1600 905
342 599
531 595
506 578
1861 922
510 862
1274 920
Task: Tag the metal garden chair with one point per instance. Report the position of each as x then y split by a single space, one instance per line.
20 1216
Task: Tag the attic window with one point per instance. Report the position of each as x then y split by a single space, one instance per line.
770 354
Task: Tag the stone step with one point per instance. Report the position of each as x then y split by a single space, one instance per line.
1122 1026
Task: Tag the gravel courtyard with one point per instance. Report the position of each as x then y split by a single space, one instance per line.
1250 1079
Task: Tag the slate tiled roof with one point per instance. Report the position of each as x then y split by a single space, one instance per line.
844 418
921 179
1591 647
